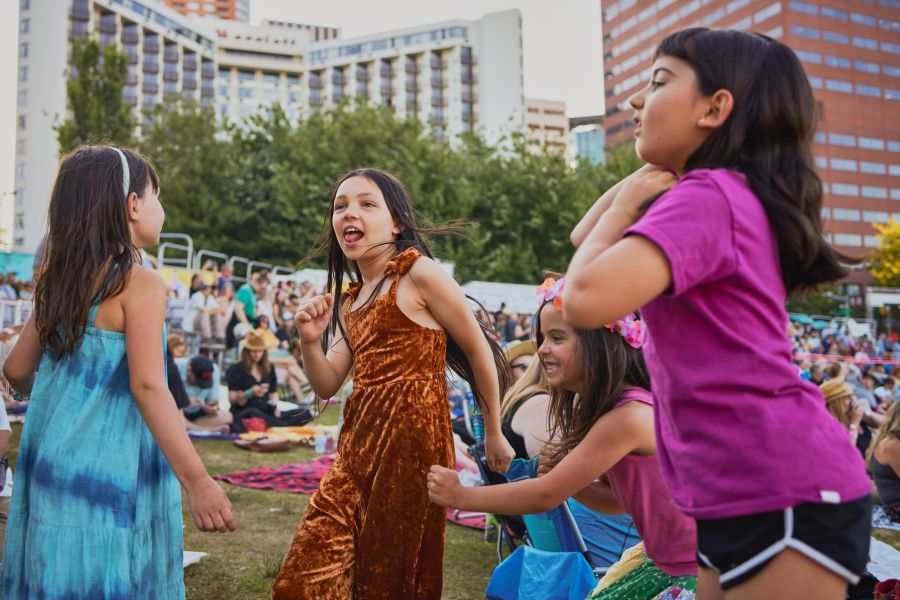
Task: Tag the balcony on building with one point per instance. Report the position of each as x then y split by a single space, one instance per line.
387 89
386 71
438 64
170 73
208 70
107 23
438 82
151 65
189 82
150 87
438 100
81 10
170 55
468 95
151 44
362 74
130 34
411 67
190 62
467 57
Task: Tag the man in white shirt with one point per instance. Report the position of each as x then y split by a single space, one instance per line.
200 312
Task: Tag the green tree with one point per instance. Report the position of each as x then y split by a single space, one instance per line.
94 91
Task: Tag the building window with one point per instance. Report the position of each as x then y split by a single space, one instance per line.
871 241
23 73
826 213
866 66
834 13
893 146
871 143
22 98
862 19
20 147
868 44
20 122
845 214
868 90
815 82
23 50
835 85
835 37
848 239
767 12
894 170
813 58
843 164
24 4
879 193
845 189
889 47
872 168
891 94
819 137
20 170
840 139
24 26
875 216
804 7
246 75
895 195
807 32
838 62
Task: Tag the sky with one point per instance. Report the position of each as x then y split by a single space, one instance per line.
561 44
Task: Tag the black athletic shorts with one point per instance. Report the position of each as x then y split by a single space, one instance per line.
834 535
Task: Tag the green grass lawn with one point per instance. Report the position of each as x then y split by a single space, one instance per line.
243 564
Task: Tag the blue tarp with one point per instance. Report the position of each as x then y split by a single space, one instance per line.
530 573
19 262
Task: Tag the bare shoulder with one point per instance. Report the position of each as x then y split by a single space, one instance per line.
144 284
425 271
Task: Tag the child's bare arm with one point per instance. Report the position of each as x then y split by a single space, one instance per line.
23 360
326 372
144 304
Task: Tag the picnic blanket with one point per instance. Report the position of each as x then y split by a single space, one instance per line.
303 478
297 478
880 520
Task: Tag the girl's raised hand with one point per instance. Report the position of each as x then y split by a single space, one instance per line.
642 185
209 506
313 317
444 487
498 452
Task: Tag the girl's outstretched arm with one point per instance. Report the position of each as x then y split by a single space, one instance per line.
619 432
23 360
144 304
445 300
610 277
326 372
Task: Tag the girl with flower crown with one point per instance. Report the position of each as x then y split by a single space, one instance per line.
603 451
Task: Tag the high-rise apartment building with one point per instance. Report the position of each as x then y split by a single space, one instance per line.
851 52
238 10
455 76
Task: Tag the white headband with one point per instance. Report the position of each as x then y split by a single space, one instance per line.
126 174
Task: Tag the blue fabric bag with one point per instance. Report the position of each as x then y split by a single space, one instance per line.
529 573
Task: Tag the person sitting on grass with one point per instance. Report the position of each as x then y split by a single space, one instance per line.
253 388
884 461
201 378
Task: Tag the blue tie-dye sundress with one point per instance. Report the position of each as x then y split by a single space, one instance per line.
96 509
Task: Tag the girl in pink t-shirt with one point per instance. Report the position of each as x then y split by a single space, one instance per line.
604 450
708 240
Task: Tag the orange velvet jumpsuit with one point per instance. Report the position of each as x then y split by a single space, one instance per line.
370 532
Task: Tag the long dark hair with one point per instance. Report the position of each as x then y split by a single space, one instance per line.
768 137
88 255
411 235
610 365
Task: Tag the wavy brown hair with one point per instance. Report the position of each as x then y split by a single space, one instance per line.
411 235
89 254
265 367
890 428
768 137
610 366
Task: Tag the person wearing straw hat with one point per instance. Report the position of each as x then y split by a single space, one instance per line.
253 388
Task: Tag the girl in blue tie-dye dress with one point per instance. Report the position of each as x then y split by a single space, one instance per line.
96 509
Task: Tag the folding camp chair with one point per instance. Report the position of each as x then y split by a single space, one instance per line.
512 527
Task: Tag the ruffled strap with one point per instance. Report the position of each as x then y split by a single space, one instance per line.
403 262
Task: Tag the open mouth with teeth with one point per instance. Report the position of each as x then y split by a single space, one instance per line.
352 235
551 368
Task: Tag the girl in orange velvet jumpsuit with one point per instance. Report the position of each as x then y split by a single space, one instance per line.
370 531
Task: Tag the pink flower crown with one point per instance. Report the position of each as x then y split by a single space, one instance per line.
630 327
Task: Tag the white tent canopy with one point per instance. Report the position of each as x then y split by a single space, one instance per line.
519 298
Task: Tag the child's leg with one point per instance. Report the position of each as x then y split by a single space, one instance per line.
322 559
791 574
708 587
